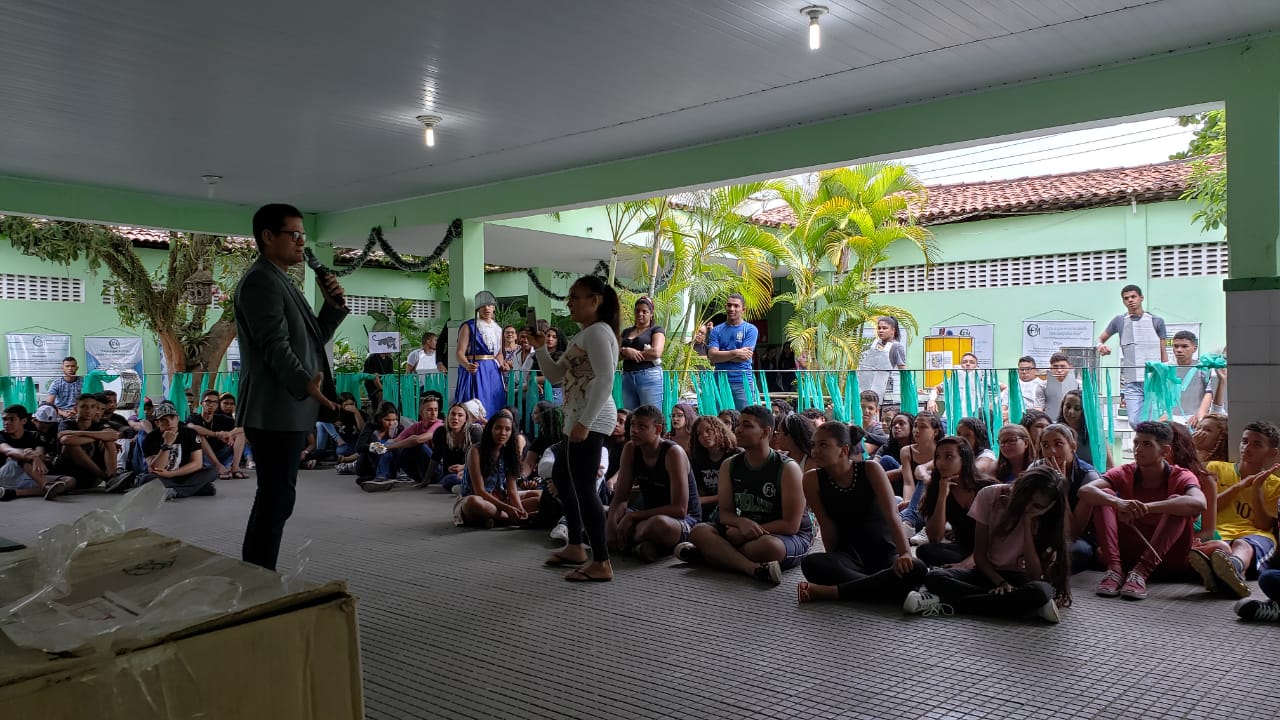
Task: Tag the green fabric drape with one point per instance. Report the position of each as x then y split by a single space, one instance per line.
19 391
351 383
228 382
94 380
617 389
1015 398
178 388
1162 389
909 396
670 395
765 398
1111 414
1092 417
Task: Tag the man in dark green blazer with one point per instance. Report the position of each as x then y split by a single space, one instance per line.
283 368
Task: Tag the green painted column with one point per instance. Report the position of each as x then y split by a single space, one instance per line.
466 278
1253 176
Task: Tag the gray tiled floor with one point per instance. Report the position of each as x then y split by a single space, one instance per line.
467 624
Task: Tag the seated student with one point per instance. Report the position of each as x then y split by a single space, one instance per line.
794 438
867 557
1143 512
1058 451
668 507
24 458
175 457
549 508
1182 452
214 429
1035 421
449 447
227 406
1247 495
141 423
876 435
1016 453
490 491
917 466
1020 554
340 436
974 432
548 424
376 464
887 455
683 416
1210 438
414 443
1030 384
816 416
88 450
768 530
730 418
953 485
1073 417
45 421
714 442
110 418
615 442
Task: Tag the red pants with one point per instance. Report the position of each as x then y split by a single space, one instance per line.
1119 545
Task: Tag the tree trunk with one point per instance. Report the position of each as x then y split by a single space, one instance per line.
213 348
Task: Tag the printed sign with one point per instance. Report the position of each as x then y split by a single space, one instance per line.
233 356
984 340
113 354
37 356
938 360
1043 338
384 342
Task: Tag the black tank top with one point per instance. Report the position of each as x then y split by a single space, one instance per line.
654 482
861 529
963 527
757 492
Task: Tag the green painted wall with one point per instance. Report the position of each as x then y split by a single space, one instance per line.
1189 299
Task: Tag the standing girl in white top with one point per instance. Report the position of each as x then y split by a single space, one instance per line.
586 368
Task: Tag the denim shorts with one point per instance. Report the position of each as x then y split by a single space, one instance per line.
1262 547
15 477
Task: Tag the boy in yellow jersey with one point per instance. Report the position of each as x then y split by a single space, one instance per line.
1247 495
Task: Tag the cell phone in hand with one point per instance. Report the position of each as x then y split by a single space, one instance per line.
531 319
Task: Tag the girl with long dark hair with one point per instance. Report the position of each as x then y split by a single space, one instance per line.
1058 450
713 443
641 347
490 480
1020 555
953 484
974 431
917 463
1016 453
683 416
586 369
794 436
867 556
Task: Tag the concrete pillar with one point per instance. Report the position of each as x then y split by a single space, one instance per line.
540 302
1253 288
466 278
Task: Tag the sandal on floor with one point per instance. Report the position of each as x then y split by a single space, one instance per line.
241 475
558 560
579 575
224 475
309 465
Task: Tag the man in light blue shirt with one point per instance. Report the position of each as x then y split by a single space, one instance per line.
64 391
730 347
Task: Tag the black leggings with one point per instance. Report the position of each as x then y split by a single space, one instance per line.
855 583
943 553
575 475
969 592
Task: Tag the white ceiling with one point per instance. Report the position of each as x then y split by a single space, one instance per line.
314 103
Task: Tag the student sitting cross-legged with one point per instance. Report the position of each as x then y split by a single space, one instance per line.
668 507
1247 495
88 451
490 479
867 555
954 483
24 458
762 527
174 457
1058 451
1143 513
1020 554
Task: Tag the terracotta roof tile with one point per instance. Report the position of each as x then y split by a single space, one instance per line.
1044 193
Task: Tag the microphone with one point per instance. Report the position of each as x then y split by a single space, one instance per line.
322 272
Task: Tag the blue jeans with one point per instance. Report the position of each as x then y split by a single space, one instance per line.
1134 401
448 481
642 387
327 437
912 513
739 389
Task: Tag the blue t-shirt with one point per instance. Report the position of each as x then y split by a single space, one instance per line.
66 393
733 337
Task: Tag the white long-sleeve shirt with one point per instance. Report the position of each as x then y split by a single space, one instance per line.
586 368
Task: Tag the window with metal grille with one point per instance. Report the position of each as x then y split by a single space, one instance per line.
1095 266
41 287
362 304
1188 260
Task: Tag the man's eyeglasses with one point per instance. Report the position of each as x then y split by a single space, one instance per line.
296 235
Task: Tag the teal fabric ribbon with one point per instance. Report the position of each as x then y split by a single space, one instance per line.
1092 419
670 396
839 410
1015 398
853 397
228 382
766 400
1111 414
910 397
1162 390
94 380
178 388
19 391
617 389
351 383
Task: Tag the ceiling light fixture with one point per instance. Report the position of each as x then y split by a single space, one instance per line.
430 122
210 182
813 12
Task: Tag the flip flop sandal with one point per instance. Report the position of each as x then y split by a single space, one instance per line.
558 560
578 575
224 475
240 475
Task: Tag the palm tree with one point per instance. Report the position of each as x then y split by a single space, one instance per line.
843 231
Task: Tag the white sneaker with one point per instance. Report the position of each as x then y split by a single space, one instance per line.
456 490
926 604
770 572
1049 611
560 533
920 538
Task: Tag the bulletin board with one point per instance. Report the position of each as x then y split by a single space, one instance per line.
941 353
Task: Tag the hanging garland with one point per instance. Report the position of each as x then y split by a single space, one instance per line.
377 240
601 270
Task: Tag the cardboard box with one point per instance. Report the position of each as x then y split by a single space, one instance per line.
153 628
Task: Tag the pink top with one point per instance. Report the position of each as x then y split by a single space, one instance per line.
1003 551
